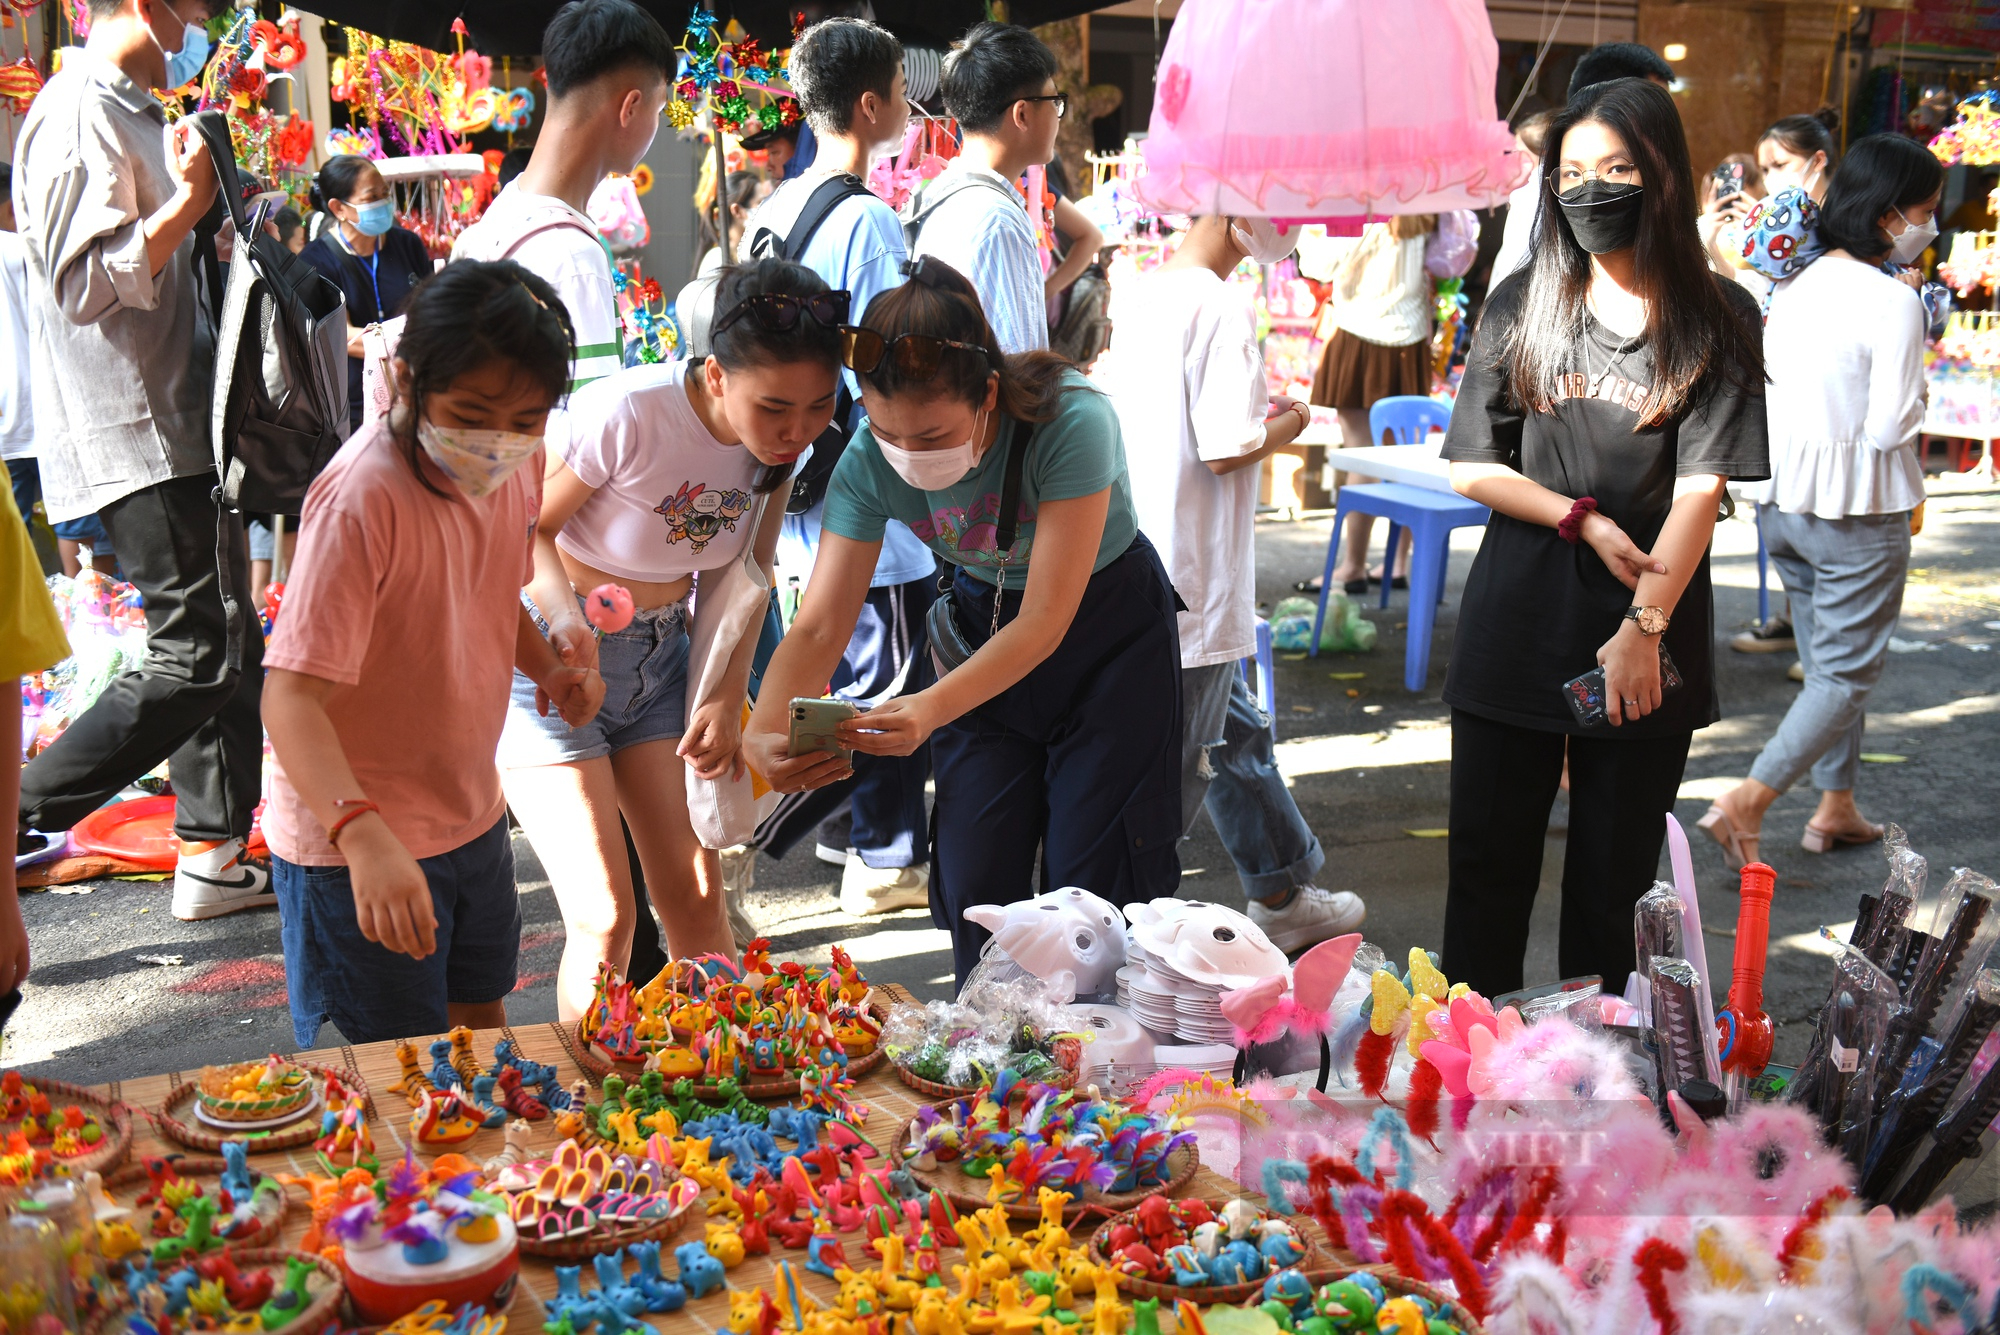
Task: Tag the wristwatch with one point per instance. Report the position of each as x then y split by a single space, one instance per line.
1650 620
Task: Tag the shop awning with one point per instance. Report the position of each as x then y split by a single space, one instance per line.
514 27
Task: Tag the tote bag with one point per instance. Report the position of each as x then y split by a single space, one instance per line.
730 602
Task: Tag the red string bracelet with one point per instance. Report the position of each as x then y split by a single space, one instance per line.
361 807
1570 527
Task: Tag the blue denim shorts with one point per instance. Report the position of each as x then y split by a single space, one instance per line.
90 531
333 972
263 542
644 668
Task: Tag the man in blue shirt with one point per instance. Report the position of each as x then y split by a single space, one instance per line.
848 75
1000 84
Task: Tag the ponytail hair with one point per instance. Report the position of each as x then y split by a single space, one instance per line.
941 302
337 180
468 315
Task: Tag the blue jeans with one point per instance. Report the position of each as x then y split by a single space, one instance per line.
1227 765
1845 578
333 972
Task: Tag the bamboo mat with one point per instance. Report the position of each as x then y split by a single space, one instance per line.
890 1104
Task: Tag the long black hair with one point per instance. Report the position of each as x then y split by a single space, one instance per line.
748 342
470 314
1881 173
941 302
1692 330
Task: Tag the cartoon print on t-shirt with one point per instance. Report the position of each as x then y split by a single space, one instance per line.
973 532
697 514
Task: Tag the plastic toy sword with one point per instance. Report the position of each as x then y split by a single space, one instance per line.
1743 1028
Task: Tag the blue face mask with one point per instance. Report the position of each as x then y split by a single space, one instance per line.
185 65
375 217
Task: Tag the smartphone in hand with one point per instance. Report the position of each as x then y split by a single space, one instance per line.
1728 180
814 723
1586 694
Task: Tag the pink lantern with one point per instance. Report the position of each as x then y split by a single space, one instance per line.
1305 110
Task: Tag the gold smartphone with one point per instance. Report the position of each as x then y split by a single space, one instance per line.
815 723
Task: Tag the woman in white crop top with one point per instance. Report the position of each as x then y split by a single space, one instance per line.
659 472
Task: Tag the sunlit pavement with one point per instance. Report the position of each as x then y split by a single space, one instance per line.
1369 761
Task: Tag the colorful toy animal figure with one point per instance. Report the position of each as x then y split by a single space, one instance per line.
662 1294
441 1120
462 1060
443 1074
701 1273
765 1058
412 1082
344 1131
292 1299
752 1313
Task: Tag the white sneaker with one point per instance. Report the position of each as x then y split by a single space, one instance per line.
739 873
212 881
866 890
828 853
1313 916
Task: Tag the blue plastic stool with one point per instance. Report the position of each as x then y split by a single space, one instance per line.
1430 516
1266 679
1406 418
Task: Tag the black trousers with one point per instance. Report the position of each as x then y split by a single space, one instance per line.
195 700
1080 759
1503 782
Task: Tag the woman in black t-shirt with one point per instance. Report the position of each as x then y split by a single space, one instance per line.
1615 385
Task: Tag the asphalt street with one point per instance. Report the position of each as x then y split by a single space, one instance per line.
1369 761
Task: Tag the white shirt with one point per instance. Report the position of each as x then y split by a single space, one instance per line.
17 416
550 239
1844 347
670 498
1187 378
989 239
1517 238
1381 293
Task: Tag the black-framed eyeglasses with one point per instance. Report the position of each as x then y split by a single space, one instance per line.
1060 99
779 312
913 356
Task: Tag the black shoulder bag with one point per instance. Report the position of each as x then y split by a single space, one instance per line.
949 648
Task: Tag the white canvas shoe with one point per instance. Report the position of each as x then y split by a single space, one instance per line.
1313 916
866 890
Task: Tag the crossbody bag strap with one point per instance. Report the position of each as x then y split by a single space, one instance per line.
1010 491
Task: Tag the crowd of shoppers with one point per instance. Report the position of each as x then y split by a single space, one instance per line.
1036 587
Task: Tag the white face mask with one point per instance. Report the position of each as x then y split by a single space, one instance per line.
1805 178
478 461
934 470
1915 239
1262 241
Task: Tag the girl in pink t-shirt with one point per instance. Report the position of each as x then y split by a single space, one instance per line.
390 668
659 474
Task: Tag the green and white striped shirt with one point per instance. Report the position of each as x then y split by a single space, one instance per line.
549 238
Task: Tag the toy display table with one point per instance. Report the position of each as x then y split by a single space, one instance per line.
891 1104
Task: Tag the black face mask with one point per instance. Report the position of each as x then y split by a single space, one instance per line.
1602 216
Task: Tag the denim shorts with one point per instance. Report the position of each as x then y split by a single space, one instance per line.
333 972
90 531
263 542
644 668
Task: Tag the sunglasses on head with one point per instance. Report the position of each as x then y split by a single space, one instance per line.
779 312
913 356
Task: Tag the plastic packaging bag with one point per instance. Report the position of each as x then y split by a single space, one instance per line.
1345 631
1852 1028
1004 1019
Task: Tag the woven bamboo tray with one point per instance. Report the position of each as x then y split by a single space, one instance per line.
265 1234
1396 1282
598 1064
570 1251
197 1135
117 1119
320 1312
1203 1293
955 1185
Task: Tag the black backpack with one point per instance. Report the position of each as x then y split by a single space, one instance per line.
809 483
279 411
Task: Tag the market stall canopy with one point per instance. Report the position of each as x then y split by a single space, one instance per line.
1328 109
514 27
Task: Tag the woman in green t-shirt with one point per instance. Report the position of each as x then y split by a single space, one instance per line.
1060 729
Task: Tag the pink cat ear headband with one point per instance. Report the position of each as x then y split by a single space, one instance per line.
1272 1006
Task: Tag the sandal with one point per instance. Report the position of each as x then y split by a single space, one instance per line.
552 1227
548 1186
1738 848
1817 840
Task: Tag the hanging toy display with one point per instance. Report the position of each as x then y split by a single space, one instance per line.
646 320
416 102
728 74
251 56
